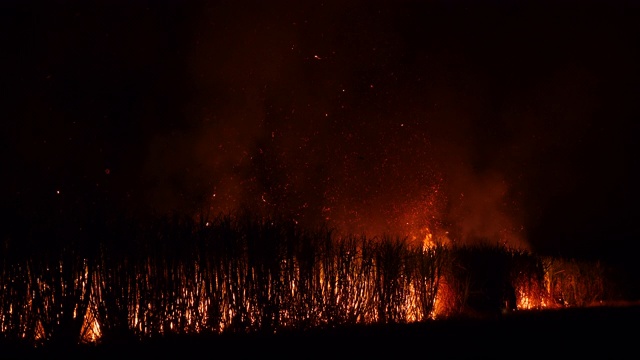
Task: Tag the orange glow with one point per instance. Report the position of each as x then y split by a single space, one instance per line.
90 332
344 280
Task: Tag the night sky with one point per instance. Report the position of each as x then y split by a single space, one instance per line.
490 121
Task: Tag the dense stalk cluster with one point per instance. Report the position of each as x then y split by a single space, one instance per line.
242 274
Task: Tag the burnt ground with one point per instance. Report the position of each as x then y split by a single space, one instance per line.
604 331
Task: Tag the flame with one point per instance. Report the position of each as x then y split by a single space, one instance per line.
90 332
350 284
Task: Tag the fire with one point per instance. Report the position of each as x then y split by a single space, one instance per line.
90 332
430 241
279 279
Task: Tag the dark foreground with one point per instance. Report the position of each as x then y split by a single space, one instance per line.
609 331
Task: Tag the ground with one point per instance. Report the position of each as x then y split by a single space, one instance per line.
606 330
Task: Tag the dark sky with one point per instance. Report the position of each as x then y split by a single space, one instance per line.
508 121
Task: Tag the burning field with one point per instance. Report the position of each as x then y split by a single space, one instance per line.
246 275
378 172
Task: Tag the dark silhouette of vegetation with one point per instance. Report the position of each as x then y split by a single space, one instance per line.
120 281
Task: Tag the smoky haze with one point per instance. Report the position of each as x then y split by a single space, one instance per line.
346 123
488 123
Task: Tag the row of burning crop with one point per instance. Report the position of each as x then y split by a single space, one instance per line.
256 276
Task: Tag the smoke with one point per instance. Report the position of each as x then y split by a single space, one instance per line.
484 211
373 121
464 121
349 124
